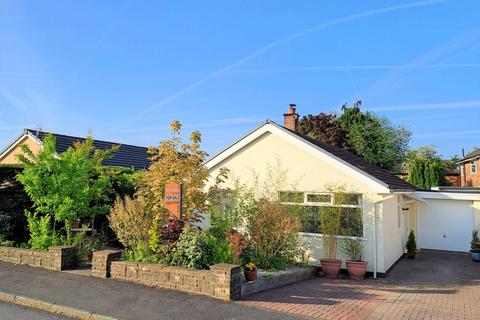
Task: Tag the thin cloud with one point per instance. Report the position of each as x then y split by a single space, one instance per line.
429 106
444 134
363 67
281 41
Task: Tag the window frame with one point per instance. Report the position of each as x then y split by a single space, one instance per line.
474 164
361 206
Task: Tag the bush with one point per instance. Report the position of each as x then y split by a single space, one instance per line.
192 250
274 235
5 225
475 243
131 220
41 235
352 248
411 245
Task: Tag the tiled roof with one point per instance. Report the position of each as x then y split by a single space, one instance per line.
391 180
127 156
475 153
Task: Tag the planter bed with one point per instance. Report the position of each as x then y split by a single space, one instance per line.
222 281
56 258
268 280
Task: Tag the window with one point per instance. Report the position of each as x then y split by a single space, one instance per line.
313 206
473 166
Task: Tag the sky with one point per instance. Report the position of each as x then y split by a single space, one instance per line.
122 70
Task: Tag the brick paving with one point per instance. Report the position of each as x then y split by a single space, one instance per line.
434 286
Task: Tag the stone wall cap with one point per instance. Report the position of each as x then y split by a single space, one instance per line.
224 266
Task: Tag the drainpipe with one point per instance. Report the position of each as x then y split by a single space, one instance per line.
375 233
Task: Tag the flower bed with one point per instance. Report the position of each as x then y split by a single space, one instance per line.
268 279
56 258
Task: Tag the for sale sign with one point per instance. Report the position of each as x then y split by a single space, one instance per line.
173 199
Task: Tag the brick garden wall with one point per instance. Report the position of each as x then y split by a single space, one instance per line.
56 258
222 281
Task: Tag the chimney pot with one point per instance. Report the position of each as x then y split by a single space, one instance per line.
290 119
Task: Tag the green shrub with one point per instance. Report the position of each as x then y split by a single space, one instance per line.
5 225
220 245
411 245
41 235
475 243
192 250
352 248
274 236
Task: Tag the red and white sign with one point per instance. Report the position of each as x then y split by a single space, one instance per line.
173 199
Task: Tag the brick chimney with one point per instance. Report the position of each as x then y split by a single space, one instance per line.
290 119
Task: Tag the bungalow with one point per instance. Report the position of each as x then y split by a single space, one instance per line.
388 206
127 156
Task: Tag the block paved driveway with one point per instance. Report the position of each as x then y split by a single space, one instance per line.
436 285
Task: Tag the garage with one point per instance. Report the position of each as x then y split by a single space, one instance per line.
445 220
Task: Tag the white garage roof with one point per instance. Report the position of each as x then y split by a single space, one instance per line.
471 196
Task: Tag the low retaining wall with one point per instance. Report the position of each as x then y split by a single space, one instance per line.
56 258
276 279
102 260
222 281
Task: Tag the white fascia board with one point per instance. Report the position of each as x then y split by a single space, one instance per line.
271 127
17 140
448 195
412 195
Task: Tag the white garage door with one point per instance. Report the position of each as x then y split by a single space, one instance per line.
445 225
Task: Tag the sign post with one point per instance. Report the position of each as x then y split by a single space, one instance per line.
173 199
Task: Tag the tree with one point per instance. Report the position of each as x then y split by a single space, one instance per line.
425 167
175 161
67 186
373 138
325 128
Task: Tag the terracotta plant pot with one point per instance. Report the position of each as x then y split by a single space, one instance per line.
250 275
331 268
357 269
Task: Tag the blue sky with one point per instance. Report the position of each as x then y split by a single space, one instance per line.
124 69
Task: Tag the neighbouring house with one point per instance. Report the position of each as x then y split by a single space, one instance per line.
127 156
469 169
388 206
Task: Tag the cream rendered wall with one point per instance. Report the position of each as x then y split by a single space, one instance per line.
390 232
11 156
307 173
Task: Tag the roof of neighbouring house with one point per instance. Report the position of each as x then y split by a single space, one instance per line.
385 177
469 156
127 156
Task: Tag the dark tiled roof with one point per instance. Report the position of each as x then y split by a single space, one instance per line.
475 153
391 180
127 156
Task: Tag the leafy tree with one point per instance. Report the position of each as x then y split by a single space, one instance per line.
67 186
425 167
325 128
175 161
374 138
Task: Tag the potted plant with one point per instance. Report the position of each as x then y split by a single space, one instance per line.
250 271
411 245
353 249
330 225
475 246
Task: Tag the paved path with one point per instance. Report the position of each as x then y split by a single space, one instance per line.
14 312
434 286
119 299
